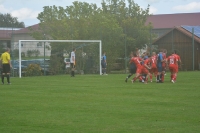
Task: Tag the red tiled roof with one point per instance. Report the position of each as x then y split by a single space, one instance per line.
5 34
173 20
27 29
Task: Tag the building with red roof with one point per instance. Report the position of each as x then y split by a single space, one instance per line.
163 23
12 36
174 33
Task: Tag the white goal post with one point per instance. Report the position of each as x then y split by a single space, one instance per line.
86 41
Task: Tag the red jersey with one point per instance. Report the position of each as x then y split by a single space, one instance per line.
172 60
177 58
172 63
164 58
147 62
154 61
137 61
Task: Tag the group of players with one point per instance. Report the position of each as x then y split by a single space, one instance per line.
145 66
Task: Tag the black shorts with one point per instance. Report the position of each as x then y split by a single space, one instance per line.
72 65
6 68
103 65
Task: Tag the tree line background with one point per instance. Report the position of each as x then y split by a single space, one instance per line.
120 24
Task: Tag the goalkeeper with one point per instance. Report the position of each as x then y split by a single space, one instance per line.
104 64
72 62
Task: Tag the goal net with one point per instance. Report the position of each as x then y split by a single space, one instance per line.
53 56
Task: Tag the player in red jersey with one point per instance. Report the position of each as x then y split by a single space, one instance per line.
178 61
153 64
144 56
132 69
141 69
172 66
146 68
137 60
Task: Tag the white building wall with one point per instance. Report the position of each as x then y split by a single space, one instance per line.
25 46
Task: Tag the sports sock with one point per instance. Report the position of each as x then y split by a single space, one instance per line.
140 78
71 73
163 77
8 78
2 78
173 76
145 76
146 79
103 71
151 76
129 75
158 77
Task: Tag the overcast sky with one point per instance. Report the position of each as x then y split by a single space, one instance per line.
27 10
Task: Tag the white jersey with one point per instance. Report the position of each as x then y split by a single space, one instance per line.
72 55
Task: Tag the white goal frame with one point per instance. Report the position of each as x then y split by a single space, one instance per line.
96 41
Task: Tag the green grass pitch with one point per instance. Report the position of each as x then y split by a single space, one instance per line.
100 104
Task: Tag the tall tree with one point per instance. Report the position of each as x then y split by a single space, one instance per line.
6 20
131 19
119 25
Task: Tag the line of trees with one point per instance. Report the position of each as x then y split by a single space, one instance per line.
7 20
120 24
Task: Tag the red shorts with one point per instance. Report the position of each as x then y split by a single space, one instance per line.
145 70
139 70
154 70
172 68
142 70
154 66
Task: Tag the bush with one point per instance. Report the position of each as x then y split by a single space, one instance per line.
57 64
36 52
33 70
29 53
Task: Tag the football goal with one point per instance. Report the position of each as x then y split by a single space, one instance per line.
86 51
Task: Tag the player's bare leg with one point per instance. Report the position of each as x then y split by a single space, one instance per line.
136 77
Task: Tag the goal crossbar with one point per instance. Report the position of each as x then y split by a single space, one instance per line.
90 41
